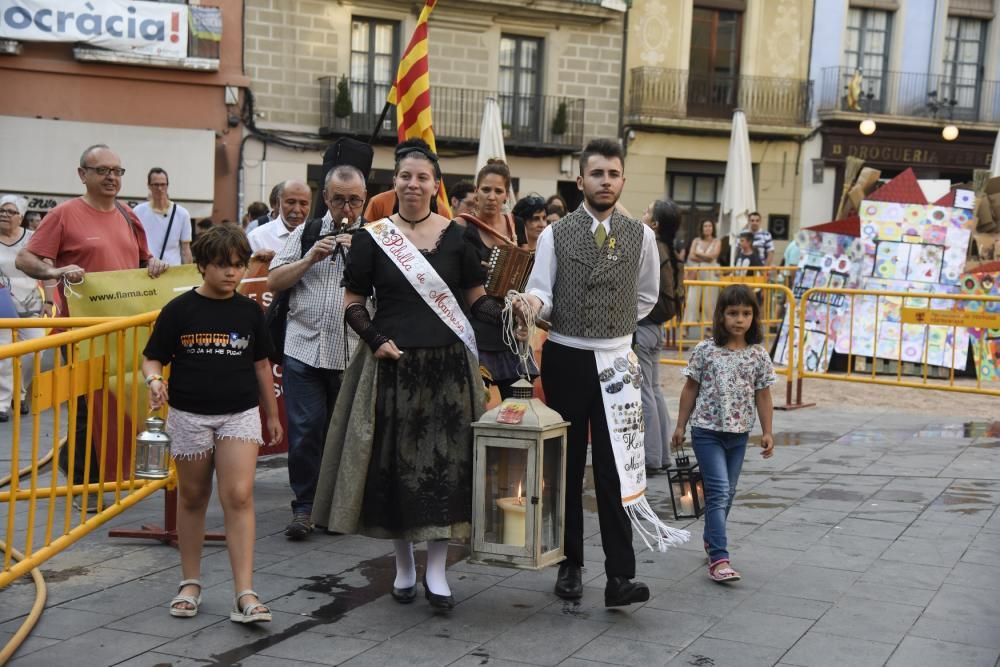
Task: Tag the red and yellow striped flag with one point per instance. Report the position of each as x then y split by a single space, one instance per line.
411 93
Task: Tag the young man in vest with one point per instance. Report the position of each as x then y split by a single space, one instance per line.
596 274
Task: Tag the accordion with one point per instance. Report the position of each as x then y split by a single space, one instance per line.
508 269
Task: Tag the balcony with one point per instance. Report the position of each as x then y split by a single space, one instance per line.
529 121
657 93
914 95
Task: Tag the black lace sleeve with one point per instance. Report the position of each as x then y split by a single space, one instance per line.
357 318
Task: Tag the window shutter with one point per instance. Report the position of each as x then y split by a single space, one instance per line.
977 9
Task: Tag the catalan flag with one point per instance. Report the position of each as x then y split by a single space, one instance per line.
411 93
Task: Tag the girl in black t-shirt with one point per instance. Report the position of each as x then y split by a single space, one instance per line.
218 346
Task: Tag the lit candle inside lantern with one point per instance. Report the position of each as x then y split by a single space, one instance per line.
513 519
687 503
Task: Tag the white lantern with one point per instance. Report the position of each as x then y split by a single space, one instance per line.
519 490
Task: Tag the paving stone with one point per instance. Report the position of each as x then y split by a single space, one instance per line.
155 659
975 575
157 621
909 575
228 641
311 564
30 644
845 552
974 605
413 648
921 652
909 595
723 653
925 551
783 605
761 628
868 619
663 627
377 621
488 614
819 649
619 651
716 606
869 527
62 623
544 639
97 647
777 533
812 583
964 632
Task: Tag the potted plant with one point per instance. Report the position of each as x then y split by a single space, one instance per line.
342 106
559 122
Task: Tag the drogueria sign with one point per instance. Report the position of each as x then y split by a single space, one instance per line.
150 28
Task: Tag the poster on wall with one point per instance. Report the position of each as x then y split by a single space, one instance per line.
827 260
147 28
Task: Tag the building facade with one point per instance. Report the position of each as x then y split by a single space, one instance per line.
554 67
690 64
909 69
172 103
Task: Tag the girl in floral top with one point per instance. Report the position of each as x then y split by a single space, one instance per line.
727 376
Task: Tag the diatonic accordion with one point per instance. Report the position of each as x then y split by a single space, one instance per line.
508 269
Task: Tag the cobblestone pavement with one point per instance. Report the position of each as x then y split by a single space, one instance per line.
870 538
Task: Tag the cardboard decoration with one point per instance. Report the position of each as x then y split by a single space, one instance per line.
985 342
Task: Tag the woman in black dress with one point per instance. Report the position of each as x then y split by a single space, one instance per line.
398 458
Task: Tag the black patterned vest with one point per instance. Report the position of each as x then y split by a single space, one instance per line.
596 289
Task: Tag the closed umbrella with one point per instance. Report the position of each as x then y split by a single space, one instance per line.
738 199
995 163
491 139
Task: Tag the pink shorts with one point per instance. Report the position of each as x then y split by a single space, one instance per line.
193 436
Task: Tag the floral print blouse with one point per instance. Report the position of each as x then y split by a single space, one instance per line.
728 381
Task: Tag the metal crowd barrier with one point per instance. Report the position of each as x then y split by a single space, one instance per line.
912 309
771 293
100 361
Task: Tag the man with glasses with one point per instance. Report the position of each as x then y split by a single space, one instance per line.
167 223
316 348
94 232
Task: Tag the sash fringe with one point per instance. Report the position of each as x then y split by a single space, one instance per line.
657 532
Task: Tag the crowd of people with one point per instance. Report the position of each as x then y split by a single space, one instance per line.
388 339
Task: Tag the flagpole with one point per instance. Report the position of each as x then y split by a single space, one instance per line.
378 125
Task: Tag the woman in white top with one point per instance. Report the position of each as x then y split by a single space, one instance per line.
700 304
28 300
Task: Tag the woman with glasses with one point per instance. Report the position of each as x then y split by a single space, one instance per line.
490 229
27 299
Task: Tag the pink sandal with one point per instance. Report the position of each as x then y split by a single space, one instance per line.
721 572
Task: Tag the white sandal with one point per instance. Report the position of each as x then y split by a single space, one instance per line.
194 601
255 612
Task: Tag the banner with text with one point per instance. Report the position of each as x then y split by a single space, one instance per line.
148 28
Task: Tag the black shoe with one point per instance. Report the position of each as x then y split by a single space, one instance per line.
300 527
653 472
569 583
404 595
25 407
620 592
4 416
443 602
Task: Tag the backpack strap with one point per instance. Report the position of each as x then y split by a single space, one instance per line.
310 234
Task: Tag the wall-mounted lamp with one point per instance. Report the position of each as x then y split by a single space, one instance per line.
867 127
949 133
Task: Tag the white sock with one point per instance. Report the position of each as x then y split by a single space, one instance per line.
437 559
406 570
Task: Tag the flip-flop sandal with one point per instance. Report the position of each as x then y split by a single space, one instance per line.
255 612
193 600
721 572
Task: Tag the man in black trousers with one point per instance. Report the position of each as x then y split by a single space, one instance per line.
596 273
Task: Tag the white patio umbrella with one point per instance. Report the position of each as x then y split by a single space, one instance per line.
738 199
995 162
491 140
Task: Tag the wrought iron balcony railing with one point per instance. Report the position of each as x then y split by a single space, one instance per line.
530 122
915 94
656 92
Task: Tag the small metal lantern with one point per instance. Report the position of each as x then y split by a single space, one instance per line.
152 451
519 491
687 495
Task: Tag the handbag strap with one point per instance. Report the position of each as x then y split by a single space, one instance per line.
135 234
170 225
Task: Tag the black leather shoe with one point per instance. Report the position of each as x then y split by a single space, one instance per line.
620 592
404 595
442 602
569 583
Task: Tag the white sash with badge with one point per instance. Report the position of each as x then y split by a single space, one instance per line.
621 382
424 279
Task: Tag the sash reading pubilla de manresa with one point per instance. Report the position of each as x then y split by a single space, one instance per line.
424 279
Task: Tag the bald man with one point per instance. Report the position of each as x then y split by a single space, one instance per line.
294 201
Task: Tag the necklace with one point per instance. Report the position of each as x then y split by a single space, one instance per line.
413 223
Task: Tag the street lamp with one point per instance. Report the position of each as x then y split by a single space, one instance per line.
867 127
949 133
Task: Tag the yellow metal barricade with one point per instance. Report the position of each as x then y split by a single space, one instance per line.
701 289
887 317
770 326
99 362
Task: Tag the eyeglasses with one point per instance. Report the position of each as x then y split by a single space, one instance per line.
340 202
104 171
9 212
